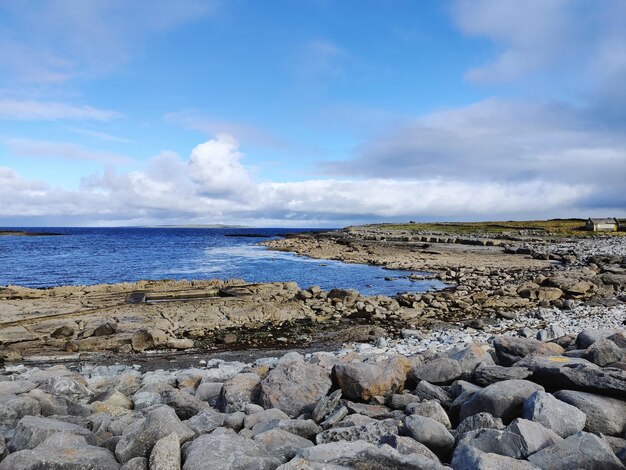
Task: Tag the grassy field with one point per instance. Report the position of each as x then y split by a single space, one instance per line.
553 227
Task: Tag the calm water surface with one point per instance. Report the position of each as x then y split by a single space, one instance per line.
83 256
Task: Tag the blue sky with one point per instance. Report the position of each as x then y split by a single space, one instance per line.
310 113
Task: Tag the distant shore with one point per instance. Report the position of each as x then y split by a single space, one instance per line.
24 233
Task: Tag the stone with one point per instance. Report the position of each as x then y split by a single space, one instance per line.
439 371
551 332
105 329
509 349
64 331
428 391
114 398
479 421
235 420
604 415
487 375
534 436
49 404
581 450
359 455
371 411
160 422
334 418
587 337
142 340
165 454
238 391
325 406
66 387
562 418
371 432
185 405
263 417
62 450
16 387
223 449
180 343
399 401
138 463
467 457
603 352
33 430
306 428
429 432
495 441
407 445
431 409
209 392
364 380
281 443
502 399
471 357
205 421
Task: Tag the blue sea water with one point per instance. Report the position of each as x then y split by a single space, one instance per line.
84 256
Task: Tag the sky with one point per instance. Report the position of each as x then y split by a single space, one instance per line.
312 113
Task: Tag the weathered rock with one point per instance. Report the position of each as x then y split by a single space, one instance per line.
429 432
431 409
239 391
369 433
325 406
510 349
604 414
581 450
165 454
294 386
502 399
33 430
49 404
439 371
364 381
359 454
104 329
372 411
471 357
306 428
61 451
562 418
407 445
66 387
335 417
223 449
185 405
495 441
142 340
138 463
479 421
160 422
603 352
16 387
263 417
534 436
209 392
282 444
205 421
551 332
234 420
399 401
467 457
428 391
587 337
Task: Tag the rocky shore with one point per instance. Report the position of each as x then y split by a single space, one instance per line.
514 403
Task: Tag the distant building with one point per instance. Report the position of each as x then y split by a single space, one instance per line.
621 225
602 225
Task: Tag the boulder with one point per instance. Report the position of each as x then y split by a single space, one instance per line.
431 409
282 444
429 432
364 380
294 386
581 450
61 451
603 414
138 463
562 418
587 337
165 454
33 430
603 352
238 391
502 399
371 432
325 406
494 441
487 375
306 428
142 340
263 416
534 436
205 421
407 445
478 421
223 449
185 405
439 371
160 422
467 457
510 349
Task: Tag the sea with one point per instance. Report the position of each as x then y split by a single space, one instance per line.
87 256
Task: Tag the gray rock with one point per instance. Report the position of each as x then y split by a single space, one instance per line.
471 357
581 450
470 458
325 406
150 394
487 375
551 332
562 418
359 454
185 405
165 454
438 371
16 387
252 408
428 391
399 401
205 421
604 414
429 432
306 428
363 381
282 444
372 411
239 391
235 420
61 451
431 409
209 392
502 399
263 416
138 463
139 441
49 404
354 420
603 352
33 430
587 337
479 421
534 436
494 441
407 445
223 449
66 387
335 417
510 349
371 432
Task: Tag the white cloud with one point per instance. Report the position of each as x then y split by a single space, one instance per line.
61 150
31 110
100 135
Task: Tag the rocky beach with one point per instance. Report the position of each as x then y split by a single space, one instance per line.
519 363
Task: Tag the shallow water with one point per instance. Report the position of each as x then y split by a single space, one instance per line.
84 256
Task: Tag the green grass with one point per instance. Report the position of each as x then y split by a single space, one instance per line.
553 227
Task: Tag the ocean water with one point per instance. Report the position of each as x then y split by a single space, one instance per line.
84 256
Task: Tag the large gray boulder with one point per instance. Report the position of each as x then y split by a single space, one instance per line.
33 430
478 421
534 436
371 432
159 422
581 450
205 421
562 418
306 428
362 381
467 457
487 375
604 414
359 454
429 432
501 400
185 405
238 391
438 371
223 449
294 386
165 454
587 337
282 444
495 441
431 409
511 349
61 451
603 352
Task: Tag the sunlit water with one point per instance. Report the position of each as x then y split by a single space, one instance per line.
84 256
